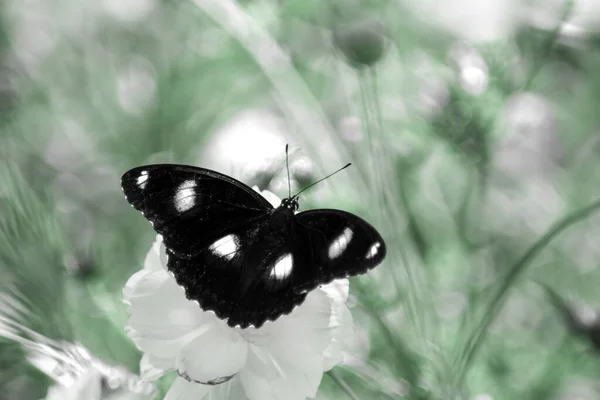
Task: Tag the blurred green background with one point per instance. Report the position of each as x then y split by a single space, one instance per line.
472 126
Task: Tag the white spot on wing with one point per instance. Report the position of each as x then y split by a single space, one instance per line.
373 250
340 243
282 268
225 247
142 180
185 196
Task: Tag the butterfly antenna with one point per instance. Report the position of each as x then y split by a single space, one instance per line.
322 179
287 165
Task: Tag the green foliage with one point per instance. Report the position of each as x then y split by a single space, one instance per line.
452 312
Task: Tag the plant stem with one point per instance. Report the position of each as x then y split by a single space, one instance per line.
476 339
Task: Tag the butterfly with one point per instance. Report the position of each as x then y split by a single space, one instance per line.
238 256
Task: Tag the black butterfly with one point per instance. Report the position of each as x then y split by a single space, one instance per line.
238 256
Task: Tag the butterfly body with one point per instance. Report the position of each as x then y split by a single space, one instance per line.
237 255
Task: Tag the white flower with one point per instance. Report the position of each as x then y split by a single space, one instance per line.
526 165
76 373
87 386
284 359
79 375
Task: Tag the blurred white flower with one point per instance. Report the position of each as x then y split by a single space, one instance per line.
526 165
87 387
471 68
92 385
79 375
528 141
579 389
431 83
130 11
284 359
583 19
433 96
472 20
137 85
482 396
34 35
253 141
76 372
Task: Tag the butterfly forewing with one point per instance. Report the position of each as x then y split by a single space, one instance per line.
191 207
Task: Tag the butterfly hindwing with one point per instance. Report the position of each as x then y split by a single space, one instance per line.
191 207
336 244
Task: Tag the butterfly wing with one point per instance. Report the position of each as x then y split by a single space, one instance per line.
237 256
332 244
280 261
192 207
246 282
218 289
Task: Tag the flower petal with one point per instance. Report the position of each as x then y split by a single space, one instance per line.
162 319
156 259
307 326
341 322
337 290
291 364
184 390
343 332
303 375
162 348
259 387
144 283
159 308
269 196
232 390
86 386
216 353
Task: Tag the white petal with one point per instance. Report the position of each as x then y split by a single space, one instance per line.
309 322
156 258
217 353
232 390
303 373
256 386
162 319
165 349
305 331
291 364
341 322
343 333
270 196
144 283
159 308
337 290
184 390
86 386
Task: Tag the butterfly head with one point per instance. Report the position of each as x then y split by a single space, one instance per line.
290 203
